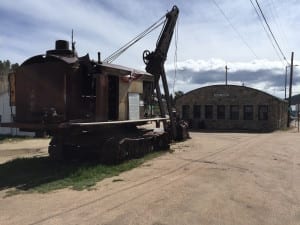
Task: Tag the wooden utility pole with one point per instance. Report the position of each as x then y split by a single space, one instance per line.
298 115
290 90
285 82
226 68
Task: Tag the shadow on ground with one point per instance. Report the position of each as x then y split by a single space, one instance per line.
197 130
42 174
28 173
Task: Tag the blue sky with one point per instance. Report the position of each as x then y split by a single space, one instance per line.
206 41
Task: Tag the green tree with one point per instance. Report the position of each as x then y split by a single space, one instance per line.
6 67
14 66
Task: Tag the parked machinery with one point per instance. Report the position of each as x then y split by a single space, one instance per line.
94 107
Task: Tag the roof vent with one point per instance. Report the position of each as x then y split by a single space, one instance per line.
61 49
61 45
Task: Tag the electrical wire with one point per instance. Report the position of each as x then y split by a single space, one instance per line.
279 25
121 50
267 33
234 28
271 31
271 7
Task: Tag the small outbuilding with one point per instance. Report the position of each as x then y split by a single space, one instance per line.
7 111
232 107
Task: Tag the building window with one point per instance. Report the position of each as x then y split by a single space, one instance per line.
263 112
248 112
197 111
208 112
221 112
185 112
234 112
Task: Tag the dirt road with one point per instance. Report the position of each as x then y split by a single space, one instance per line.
213 178
27 148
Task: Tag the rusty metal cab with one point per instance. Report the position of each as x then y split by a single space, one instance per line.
60 87
42 85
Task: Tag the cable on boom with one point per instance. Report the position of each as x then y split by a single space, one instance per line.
121 50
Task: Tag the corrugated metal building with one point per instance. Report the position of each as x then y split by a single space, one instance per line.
231 107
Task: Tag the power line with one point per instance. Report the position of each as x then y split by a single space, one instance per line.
272 14
279 25
233 27
271 8
271 31
267 33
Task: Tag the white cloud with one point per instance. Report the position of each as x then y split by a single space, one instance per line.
206 41
219 65
265 75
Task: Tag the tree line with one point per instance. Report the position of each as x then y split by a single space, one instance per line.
6 66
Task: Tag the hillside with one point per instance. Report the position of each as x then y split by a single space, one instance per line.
295 99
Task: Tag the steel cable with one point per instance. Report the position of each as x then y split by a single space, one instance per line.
121 50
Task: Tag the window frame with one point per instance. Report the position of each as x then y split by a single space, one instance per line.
234 115
184 113
246 116
221 115
265 115
211 113
196 111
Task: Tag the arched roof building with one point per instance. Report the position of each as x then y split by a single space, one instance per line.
232 107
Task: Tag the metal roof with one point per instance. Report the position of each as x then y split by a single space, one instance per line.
109 67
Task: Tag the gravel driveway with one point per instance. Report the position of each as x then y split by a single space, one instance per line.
211 179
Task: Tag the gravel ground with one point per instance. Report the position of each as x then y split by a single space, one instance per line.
213 178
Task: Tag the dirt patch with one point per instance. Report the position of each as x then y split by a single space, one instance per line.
23 148
213 178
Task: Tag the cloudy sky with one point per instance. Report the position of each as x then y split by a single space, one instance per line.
211 34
